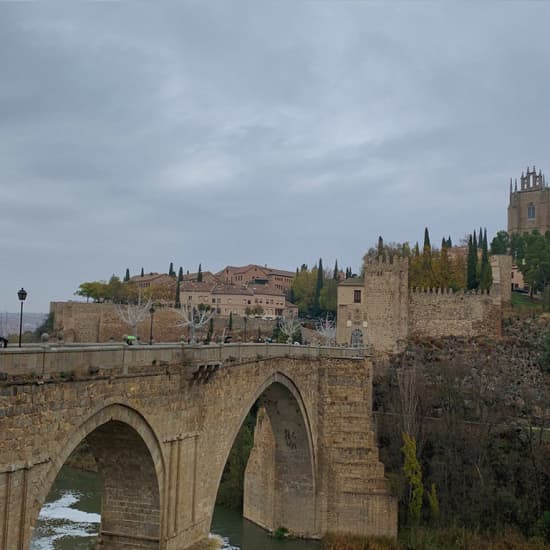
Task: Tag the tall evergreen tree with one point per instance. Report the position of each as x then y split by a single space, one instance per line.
416 250
318 287
480 239
336 275
486 273
230 327
199 274
171 271
474 240
471 266
427 269
427 246
380 246
177 303
142 272
449 242
127 275
180 274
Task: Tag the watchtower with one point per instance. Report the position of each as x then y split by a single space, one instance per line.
387 293
529 206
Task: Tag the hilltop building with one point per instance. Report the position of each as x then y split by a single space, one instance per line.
240 300
529 206
256 275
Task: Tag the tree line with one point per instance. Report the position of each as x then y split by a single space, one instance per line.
314 290
531 254
446 267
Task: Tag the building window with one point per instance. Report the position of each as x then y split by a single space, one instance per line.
531 212
356 296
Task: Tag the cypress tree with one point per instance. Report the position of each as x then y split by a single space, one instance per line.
416 250
199 274
318 287
142 273
380 246
474 240
180 274
471 265
449 242
177 303
230 320
480 239
127 275
486 273
427 271
427 246
336 275
171 271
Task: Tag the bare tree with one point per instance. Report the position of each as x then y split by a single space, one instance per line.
132 314
326 329
288 326
194 317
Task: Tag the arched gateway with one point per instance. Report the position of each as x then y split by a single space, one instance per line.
161 422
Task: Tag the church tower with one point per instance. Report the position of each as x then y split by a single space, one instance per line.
529 206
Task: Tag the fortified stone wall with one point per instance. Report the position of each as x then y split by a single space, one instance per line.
386 302
435 313
390 312
93 323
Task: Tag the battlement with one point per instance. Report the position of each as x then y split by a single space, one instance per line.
448 291
385 264
529 181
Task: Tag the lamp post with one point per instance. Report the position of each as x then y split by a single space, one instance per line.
151 312
22 295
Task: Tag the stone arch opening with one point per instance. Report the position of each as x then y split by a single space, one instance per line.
279 478
130 466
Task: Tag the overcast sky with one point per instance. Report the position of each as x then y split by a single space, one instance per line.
255 132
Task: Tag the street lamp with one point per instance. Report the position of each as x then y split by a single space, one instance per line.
22 295
151 312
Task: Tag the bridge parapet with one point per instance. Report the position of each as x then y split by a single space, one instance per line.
45 362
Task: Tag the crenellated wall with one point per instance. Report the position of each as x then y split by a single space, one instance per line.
436 313
390 312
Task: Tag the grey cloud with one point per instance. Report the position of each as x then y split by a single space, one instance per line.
234 133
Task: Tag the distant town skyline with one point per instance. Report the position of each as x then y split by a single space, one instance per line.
272 133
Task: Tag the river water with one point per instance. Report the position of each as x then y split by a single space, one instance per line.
69 520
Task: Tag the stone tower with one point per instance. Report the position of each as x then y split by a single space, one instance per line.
387 292
529 206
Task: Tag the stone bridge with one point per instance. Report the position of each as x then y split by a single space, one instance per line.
161 420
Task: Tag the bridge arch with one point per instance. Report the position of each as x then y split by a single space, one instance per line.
131 463
280 477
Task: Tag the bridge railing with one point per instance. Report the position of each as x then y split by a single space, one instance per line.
81 359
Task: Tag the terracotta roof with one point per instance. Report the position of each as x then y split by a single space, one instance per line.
232 289
193 286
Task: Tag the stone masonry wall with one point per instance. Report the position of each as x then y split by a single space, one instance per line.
172 423
435 314
94 323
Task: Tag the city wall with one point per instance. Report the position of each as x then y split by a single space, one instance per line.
436 313
95 323
390 311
